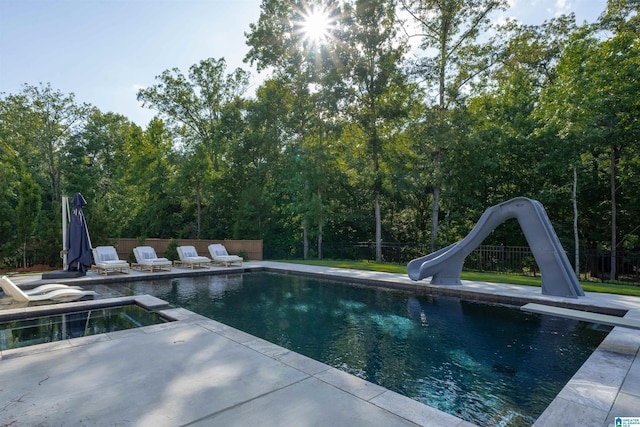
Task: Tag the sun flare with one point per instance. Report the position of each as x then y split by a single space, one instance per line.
316 25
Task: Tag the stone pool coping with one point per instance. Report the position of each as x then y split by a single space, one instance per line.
148 302
607 385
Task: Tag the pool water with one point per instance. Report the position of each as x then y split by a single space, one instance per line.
488 364
44 329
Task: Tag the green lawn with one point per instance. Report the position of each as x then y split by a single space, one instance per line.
610 288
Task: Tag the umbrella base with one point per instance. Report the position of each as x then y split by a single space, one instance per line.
63 274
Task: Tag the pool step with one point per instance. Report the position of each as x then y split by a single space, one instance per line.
586 316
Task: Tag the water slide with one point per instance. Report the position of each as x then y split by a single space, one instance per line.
558 277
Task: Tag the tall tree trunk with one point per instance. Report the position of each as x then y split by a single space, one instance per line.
576 240
305 239
442 78
305 226
377 184
435 208
378 229
199 208
614 242
319 241
376 209
435 211
320 220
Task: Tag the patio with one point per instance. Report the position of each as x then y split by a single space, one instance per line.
196 371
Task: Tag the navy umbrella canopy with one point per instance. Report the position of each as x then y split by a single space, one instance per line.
79 244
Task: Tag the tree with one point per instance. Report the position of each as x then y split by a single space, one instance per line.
152 200
593 103
194 107
27 213
450 29
8 216
505 141
37 124
10 165
308 67
41 120
262 163
379 90
94 164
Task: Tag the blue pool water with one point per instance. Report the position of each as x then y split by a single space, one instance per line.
488 364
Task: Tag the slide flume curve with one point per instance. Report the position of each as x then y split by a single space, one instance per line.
558 277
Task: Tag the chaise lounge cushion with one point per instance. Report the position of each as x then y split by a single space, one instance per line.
220 255
107 255
106 260
189 257
189 254
146 257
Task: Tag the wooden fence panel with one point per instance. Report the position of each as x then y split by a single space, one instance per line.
253 248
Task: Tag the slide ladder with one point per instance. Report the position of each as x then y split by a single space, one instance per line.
558 277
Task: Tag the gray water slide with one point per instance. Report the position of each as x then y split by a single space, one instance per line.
558 277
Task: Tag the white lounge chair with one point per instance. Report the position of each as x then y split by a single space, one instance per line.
146 258
220 255
54 291
106 260
189 258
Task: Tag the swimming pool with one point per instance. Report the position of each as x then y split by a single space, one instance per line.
57 327
488 364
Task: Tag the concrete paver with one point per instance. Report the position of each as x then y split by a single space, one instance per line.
308 402
172 377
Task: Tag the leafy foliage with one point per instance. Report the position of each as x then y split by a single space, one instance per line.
347 140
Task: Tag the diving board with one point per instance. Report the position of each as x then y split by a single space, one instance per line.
586 316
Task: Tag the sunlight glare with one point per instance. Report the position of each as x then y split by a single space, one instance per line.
316 25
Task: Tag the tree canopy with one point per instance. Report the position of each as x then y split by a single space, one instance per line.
357 135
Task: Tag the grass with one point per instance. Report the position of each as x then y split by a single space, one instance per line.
609 288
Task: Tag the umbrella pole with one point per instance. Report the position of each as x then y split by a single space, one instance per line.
65 248
86 228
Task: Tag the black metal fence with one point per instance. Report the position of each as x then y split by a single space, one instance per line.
497 259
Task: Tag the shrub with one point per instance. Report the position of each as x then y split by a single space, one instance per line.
171 252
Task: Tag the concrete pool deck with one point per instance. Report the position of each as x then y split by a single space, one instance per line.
196 371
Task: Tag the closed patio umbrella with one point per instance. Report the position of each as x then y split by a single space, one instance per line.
79 243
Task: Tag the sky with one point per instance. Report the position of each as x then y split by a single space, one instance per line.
104 51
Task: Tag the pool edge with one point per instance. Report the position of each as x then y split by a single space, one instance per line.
591 397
